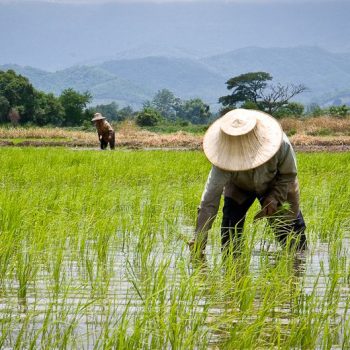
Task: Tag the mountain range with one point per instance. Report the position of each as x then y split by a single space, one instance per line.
132 81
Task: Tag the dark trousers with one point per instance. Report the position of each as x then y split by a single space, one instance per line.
104 143
234 215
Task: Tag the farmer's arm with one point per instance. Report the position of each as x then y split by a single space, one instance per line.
210 201
110 130
286 173
99 131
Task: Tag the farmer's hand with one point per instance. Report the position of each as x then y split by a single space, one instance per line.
269 206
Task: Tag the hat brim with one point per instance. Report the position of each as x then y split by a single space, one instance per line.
97 118
244 152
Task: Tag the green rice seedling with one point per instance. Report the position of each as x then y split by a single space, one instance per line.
95 243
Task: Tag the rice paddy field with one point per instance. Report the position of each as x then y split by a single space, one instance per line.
93 255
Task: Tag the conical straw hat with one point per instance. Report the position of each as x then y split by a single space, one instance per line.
242 139
97 116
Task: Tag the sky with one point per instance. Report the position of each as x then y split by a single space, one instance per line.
170 1
57 35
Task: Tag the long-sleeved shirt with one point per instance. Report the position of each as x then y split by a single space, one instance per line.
104 130
271 179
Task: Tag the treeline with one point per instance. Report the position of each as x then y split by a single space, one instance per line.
21 103
254 90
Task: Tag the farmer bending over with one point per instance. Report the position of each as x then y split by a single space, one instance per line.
251 158
105 131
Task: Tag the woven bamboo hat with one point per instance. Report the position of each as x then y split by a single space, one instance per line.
97 116
242 139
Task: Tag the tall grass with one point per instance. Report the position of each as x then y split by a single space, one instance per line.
93 255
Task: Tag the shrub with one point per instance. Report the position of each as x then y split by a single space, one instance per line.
148 117
291 132
339 111
315 110
320 132
292 109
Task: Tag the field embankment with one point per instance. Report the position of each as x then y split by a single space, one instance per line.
312 134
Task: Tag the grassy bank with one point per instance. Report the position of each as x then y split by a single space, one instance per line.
321 132
93 256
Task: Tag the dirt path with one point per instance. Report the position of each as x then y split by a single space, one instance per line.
138 145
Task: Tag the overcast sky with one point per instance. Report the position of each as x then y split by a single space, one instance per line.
167 1
57 34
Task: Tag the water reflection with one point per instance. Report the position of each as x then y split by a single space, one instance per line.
91 295
244 304
312 292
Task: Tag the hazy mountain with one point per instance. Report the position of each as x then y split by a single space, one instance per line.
149 50
104 86
185 77
323 72
56 35
134 81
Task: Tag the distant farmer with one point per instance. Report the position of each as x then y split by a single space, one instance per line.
105 131
251 159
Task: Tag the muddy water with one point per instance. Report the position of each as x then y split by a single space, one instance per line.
87 304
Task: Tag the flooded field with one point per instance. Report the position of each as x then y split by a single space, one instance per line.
93 255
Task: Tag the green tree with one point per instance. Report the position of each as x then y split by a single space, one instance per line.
19 93
49 110
110 111
339 111
125 113
292 109
250 105
251 90
245 87
166 103
195 111
148 117
4 109
74 104
315 110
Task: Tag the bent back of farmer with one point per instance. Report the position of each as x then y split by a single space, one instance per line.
106 134
251 159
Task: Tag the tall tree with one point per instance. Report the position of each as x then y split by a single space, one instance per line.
194 110
49 110
251 90
165 103
110 111
277 96
74 104
19 92
125 112
245 87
